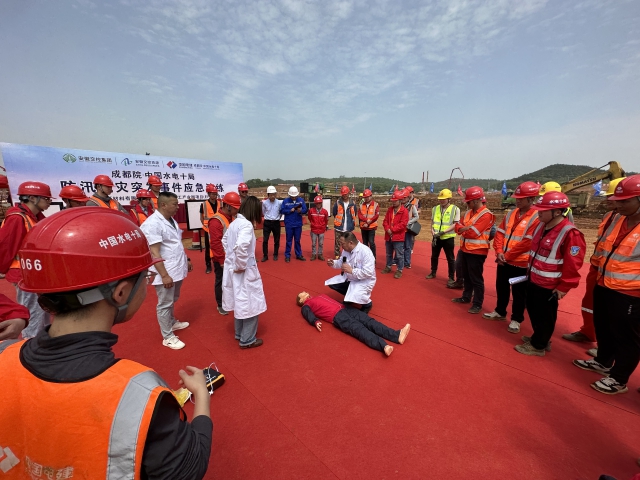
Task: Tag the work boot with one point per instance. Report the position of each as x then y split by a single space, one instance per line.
460 300
528 349
275 258
208 270
577 337
475 309
287 259
313 257
398 274
432 275
386 269
320 257
264 259
456 285
527 339
450 282
301 258
222 311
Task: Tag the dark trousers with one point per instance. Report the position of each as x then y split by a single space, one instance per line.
408 248
341 288
271 226
617 320
218 270
472 270
369 239
504 289
459 273
207 248
361 326
542 307
449 245
293 233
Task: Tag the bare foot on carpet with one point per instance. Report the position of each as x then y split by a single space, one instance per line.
403 333
388 350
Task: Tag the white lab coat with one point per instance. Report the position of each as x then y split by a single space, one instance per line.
363 277
241 292
157 229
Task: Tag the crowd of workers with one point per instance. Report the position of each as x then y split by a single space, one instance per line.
538 249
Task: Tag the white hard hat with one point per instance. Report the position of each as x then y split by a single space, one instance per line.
293 192
271 189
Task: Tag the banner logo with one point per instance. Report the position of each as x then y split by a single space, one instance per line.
172 164
126 162
67 157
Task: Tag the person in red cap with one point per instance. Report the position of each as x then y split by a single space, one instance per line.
144 208
368 215
155 185
35 198
218 225
107 417
104 187
395 226
207 210
344 218
512 244
319 220
73 196
616 295
243 191
474 231
557 253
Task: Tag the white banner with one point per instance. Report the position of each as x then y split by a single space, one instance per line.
58 167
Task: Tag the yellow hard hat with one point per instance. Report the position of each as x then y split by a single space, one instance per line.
611 189
444 194
550 187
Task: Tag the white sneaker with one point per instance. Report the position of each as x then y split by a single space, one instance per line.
514 327
179 325
494 316
173 342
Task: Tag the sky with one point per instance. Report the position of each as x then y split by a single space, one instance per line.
297 89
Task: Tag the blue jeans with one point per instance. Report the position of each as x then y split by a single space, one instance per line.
408 246
398 247
293 233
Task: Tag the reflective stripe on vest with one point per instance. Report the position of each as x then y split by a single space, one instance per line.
337 221
369 212
441 222
225 224
620 266
550 266
475 243
517 232
28 225
208 214
602 228
102 436
552 258
113 204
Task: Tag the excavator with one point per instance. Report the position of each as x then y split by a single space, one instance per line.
580 200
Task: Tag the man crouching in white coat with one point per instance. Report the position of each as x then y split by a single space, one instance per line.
242 289
358 266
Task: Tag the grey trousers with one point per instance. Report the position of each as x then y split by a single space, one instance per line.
38 317
319 239
246 329
167 298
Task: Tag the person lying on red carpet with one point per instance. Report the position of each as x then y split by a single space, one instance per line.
351 321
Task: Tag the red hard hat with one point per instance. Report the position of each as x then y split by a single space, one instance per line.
4 183
154 180
242 187
367 193
233 199
57 250
345 190
409 188
473 193
526 189
143 193
73 192
37 189
103 180
627 188
318 199
552 201
397 195
211 188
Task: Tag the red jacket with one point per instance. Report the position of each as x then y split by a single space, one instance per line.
216 231
397 223
318 219
556 256
11 235
324 307
10 309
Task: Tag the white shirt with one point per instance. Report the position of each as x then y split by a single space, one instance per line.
158 229
271 210
363 277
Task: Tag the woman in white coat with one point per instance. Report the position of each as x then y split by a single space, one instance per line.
242 289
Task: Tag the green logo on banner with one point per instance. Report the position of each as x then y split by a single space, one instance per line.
67 157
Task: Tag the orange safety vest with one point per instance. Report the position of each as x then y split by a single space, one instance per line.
113 204
139 216
93 429
480 243
28 225
154 199
604 225
368 212
516 233
208 214
225 224
337 221
620 266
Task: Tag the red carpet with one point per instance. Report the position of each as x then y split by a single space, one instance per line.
455 401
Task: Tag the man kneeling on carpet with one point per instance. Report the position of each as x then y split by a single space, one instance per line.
72 408
351 321
358 275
